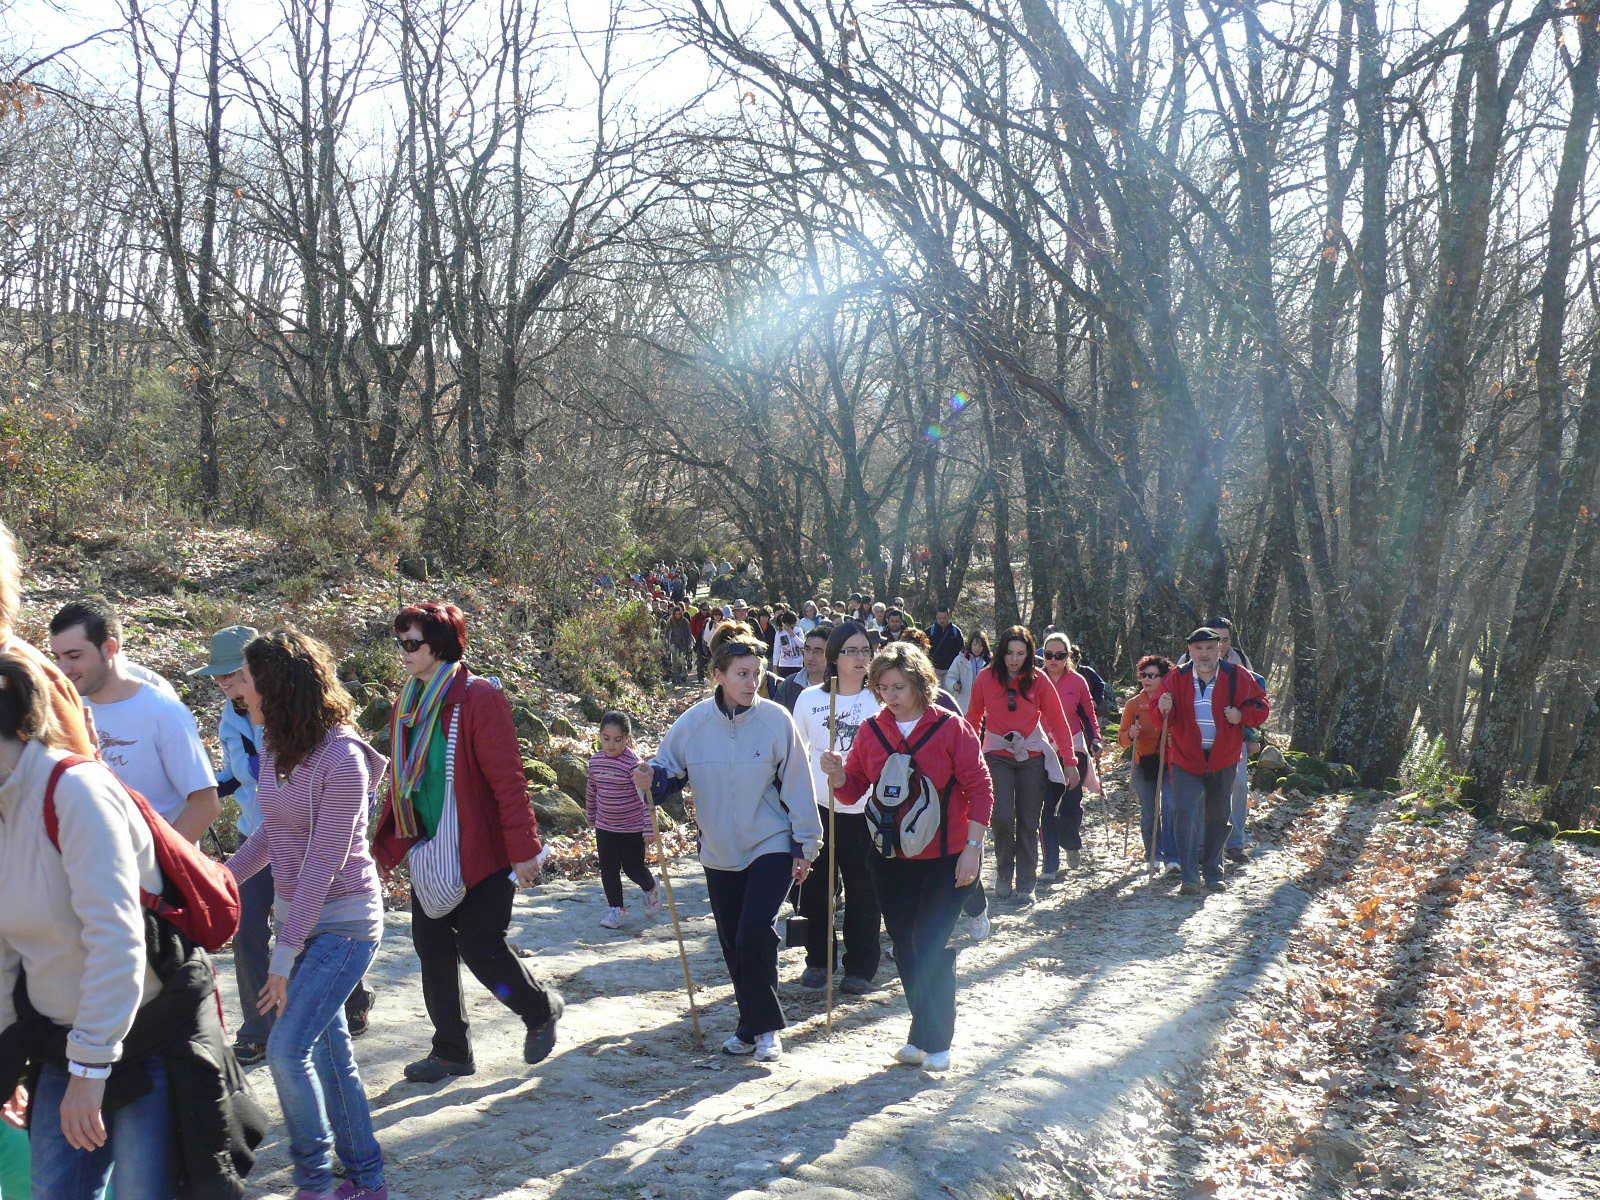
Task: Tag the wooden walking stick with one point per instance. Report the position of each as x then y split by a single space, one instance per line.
672 907
833 737
1161 792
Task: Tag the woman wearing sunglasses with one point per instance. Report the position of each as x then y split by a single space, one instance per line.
1026 740
1062 824
458 814
759 830
1140 735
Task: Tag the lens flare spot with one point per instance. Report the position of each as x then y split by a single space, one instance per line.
934 433
958 402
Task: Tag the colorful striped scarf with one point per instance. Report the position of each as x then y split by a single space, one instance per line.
418 710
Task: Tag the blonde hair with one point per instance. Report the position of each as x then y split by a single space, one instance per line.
1057 636
10 582
911 662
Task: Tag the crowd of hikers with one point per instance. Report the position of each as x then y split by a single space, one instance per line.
843 754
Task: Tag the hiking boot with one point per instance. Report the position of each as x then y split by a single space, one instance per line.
910 1055
1173 869
613 918
938 1061
737 1045
769 1047
1216 885
433 1068
856 985
540 1040
1002 894
814 978
1047 878
358 1009
1191 889
976 928
1024 899
351 1190
250 1053
1236 854
1074 859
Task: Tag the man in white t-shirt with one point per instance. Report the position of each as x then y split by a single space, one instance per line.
147 737
849 653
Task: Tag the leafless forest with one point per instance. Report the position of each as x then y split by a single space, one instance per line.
1135 312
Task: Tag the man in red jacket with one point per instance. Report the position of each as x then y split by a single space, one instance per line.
1204 707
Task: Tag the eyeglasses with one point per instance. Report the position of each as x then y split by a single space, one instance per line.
1011 699
410 645
1055 656
856 652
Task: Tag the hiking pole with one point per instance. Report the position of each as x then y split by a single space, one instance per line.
833 737
1133 755
672 907
1161 793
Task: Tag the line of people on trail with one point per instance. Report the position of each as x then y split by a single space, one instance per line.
856 769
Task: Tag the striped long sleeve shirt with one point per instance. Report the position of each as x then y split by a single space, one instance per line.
613 801
314 834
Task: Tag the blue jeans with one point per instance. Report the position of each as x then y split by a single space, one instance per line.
1240 806
1200 803
1145 788
251 948
314 1068
140 1154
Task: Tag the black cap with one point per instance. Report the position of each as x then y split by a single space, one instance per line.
1204 634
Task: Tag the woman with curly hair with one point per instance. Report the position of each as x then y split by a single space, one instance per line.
317 775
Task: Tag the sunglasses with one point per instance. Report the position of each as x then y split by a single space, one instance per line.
1054 656
1011 699
410 645
737 650
1149 674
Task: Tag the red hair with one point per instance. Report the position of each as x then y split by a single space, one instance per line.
443 628
1153 660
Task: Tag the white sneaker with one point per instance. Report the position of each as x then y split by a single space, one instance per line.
937 1062
653 902
737 1045
976 929
769 1047
612 919
910 1055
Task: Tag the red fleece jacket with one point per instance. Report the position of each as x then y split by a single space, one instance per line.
1234 686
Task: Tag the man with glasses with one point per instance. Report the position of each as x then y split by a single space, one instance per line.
1205 707
814 667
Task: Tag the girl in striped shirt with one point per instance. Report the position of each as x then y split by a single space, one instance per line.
621 820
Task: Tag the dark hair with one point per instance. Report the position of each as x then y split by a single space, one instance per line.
822 629
1158 661
893 612
618 719
979 635
443 626
1221 623
1025 677
842 633
25 712
302 700
98 618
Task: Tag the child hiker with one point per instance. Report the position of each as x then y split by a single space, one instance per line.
620 818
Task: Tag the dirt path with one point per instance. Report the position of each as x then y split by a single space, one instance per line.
1068 1017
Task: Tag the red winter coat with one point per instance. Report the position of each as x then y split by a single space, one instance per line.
497 825
1233 686
952 753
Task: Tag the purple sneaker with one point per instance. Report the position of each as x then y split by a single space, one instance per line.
351 1190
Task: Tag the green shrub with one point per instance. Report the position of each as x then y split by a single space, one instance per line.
608 649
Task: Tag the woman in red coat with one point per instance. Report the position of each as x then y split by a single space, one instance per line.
921 895
458 813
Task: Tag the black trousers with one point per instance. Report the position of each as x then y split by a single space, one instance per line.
745 906
474 932
920 905
1061 826
861 918
619 853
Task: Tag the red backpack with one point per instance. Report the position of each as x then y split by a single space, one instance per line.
206 909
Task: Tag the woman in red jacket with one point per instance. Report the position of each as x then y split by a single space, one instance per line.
921 896
1026 740
458 813
1062 823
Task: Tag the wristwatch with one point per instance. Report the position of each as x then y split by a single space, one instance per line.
978 842
85 1071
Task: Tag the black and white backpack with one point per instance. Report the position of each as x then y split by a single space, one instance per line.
904 811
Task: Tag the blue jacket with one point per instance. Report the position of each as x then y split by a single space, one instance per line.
241 764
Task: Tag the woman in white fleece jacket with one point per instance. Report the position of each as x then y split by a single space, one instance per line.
70 919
